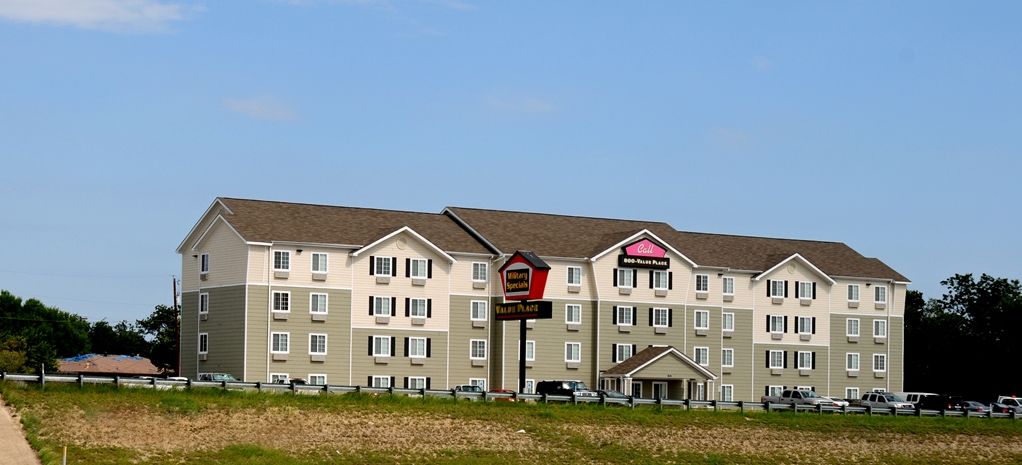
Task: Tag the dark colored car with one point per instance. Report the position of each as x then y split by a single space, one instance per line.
973 406
941 403
998 407
611 394
564 388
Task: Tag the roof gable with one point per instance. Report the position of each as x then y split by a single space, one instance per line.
650 356
800 259
412 233
637 235
217 208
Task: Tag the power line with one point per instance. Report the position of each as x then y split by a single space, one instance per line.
84 276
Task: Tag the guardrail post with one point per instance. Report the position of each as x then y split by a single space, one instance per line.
422 392
223 385
358 389
117 382
943 412
81 381
716 408
153 381
544 398
741 406
259 386
894 411
188 384
688 404
1011 414
990 413
631 402
844 409
869 410
390 391
919 411
3 375
819 409
769 407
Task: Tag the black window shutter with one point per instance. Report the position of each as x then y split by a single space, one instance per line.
785 323
768 359
393 342
428 383
393 305
768 288
613 353
786 359
369 381
768 323
814 325
406 382
370 345
406 354
615 277
408 273
796 289
408 307
814 289
429 347
670 280
429 308
814 362
635 277
392 379
614 312
785 289
393 266
670 317
633 349
429 268
371 300
372 267
651 279
651 316
766 390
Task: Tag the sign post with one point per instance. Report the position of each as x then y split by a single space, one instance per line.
523 277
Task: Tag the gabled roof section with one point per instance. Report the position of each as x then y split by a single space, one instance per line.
796 258
268 222
551 235
414 234
217 204
644 232
649 356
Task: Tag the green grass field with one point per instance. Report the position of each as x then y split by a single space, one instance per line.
105 425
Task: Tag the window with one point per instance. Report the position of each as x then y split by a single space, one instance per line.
573 314
281 301
660 390
879 328
203 343
478 310
777 288
319 262
727 392
418 268
729 286
623 352
279 378
280 343
727 357
530 351
381 306
416 347
281 260
702 355
879 362
805 325
477 349
625 277
381 346
852 361
383 266
317 380
805 290
776 359
880 294
416 382
625 316
805 360
661 317
776 324
381 381
702 319
204 302
481 382
637 389
317 344
851 393
775 390
479 271
702 283
661 280
530 386
573 352
728 322
418 308
853 294
574 276
204 263
317 303
852 327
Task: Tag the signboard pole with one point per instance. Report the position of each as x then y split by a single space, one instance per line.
521 356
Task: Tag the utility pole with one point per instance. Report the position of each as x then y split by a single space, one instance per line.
177 328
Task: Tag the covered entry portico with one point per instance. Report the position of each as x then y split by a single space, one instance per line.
661 371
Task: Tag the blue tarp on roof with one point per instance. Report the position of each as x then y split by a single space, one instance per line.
84 357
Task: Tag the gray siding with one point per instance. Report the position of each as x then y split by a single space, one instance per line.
226 329
790 377
189 334
551 336
399 366
461 333
741 341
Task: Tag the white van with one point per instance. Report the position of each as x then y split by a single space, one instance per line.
914 397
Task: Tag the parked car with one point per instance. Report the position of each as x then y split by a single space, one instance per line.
797 397
467 388
564 388
974 406
611 394
217 377
914 397
998 407
1011 401
836 401
884 400
941 402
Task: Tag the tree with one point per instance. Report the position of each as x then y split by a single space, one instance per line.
12 355
162 327
48 332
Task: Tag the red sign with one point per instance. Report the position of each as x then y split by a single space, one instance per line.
524 276
645 248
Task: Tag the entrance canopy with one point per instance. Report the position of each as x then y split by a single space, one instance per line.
662 365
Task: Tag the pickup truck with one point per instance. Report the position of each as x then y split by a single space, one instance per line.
797 397
1011 401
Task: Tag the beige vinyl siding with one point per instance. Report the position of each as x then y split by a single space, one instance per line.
790 376
189 333
557 281
228 254
259 264
338 274
258 335
363 365
226 329
551 336
793 272
299 325
189 264
603 277
461 276
462 332
642 335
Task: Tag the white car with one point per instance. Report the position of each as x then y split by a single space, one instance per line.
837 402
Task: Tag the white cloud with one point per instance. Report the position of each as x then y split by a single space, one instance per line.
521 105
264 108
117 15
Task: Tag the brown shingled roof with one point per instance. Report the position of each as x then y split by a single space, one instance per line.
638 360
266 221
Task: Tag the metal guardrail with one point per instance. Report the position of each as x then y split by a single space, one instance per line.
632 402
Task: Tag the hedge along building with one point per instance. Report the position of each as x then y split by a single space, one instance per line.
360 296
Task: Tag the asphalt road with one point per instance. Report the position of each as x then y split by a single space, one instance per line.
14 449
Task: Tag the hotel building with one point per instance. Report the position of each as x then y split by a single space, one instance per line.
274 291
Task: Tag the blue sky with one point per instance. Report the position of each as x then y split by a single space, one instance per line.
890 126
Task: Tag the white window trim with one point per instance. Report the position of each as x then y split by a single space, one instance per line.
875 326
419 379
376 265
530 358
621 273
619 348
385 379
204 298
779 366
706 350
858 361
849 395
723 358
876 290
779 295
410 345
411 268
695 322
857 294
882 357
481 382
376 305
486 271
724 285
780 326
666 317
287 335
620 311
471 307
579 352
321 375
798 360
286 253
326 303
723 320
325 342
858 327
731 389
809 322
471 343
568 277
808 286
273 302
204 260
424 307
567 313
775 390
200 343
286 377
664 281
706 279
325 261
389 348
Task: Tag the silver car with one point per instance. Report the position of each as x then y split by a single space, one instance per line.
884 400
